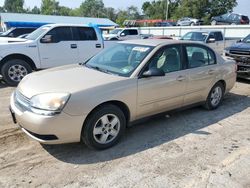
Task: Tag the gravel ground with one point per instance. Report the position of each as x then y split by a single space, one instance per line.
191 148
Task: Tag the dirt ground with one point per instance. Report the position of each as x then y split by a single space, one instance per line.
192 148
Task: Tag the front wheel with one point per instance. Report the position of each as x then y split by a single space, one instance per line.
104 127
14 70
215 96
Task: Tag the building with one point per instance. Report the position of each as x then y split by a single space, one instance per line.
9 20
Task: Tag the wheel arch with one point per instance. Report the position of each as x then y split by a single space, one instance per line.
18 56
223 83
117 103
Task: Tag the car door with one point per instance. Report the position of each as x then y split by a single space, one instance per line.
202 72
129 34
61 49
159 94
87 43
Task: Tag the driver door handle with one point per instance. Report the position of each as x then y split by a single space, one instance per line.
211 71
73 46
180 78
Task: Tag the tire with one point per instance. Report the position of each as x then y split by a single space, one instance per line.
215 96
97 131
14 70
214 22
114 39
192 24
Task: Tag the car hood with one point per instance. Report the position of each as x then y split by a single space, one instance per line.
109 35
240 46
10 40
69 79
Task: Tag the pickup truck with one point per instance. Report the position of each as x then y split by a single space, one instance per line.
126 34
240 52
214 39
49 46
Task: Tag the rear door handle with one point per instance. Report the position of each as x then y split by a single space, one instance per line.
180 78
73 46
98 45
211 71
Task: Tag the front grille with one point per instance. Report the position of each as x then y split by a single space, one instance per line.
22 102
239 52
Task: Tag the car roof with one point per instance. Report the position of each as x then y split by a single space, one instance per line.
157 42
69 25
205 31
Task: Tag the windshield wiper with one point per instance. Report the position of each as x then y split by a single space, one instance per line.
98 68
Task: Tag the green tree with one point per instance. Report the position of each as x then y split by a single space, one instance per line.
15 6
131 13
218 7
92 8
50 7
157 9
110 13
35 10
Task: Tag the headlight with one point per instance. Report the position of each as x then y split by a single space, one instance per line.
49 103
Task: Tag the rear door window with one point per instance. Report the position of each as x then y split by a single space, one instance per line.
199 56
133 32
85 33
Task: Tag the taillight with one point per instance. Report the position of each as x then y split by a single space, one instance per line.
242 21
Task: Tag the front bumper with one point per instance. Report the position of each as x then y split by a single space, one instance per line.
243 64
57 129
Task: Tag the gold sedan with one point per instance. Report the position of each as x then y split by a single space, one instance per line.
95 101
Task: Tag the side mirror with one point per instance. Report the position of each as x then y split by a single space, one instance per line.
47 39
153 72
211 40
122 34
238 41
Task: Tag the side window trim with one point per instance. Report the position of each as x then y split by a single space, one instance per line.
71 33
198 46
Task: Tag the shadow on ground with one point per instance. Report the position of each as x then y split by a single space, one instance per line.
153 132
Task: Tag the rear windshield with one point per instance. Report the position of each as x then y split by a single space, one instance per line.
195 36
245 18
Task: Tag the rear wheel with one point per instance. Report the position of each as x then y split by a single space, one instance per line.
192 24
14 70
104 127
215 96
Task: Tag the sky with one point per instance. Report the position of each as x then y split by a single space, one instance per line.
243 5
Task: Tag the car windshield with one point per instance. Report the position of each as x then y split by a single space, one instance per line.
6 32
122 59
195 36
116 31
37 33
247 39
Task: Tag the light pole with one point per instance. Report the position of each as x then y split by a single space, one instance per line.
167 10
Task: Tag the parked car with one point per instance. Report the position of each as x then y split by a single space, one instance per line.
125 34
214 39
230 19
186 21
97 100
49 46
165 24
240 51
16 32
